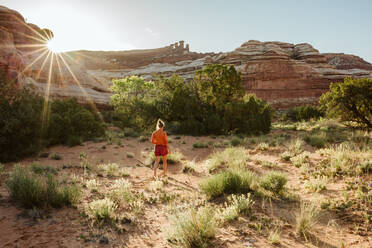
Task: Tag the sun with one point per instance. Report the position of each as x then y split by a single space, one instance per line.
55 46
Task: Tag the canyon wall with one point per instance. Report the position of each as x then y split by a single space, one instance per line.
283 74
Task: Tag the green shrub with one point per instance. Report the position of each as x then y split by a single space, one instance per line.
350 100
229 182
130 155
55 156
20 122
199 145
232 157
318 140
70 123
28 122
274 182
286 156
43 169
303 113
212 103
36 191
235 141
193 228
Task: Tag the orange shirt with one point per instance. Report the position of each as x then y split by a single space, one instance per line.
159 137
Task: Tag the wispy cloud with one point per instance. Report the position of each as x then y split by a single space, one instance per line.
152 32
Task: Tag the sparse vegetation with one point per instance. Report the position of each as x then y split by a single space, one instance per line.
274 237
232 157
101 211
111 169
317 184
199 145
306 219
193 228
232 181
39 191
274 182
43 169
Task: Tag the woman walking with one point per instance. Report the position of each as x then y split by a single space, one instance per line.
159 138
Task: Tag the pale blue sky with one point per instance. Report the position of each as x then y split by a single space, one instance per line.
207 25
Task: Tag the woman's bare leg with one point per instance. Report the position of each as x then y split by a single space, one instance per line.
165 165
157 160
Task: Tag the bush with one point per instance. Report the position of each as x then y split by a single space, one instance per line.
130 155
318 140
34 191
193 228
199 145
28 123
102 211
303 113
212 103
70 123
20 123
229 182
350 100
235 141
43 169
274 182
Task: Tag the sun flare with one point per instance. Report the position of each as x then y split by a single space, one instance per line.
55 46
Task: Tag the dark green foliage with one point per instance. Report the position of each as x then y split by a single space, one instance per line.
70 123
235 141
199 145
350 100
43 169
212 103
303 113
20 122
218 84
39 191
28 123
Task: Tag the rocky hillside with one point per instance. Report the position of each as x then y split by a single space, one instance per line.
284 74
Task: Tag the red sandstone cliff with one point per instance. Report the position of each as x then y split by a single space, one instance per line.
284 74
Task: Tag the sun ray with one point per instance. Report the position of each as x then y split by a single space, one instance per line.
46 112
90 101
35 60
31 45
35 51
60 70
42 65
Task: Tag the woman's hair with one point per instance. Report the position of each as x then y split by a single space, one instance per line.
159 124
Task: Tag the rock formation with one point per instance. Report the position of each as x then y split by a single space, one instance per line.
284 74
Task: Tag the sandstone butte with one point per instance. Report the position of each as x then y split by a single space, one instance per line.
283 74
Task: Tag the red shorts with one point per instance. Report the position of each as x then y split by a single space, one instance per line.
160 150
